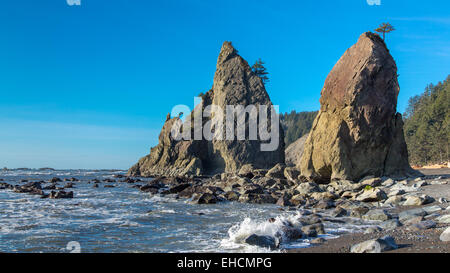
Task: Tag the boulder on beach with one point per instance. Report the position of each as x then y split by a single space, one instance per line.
375 246
262 241
358 131
377 215
371 195
235 84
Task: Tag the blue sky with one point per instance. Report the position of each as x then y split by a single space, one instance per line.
89 86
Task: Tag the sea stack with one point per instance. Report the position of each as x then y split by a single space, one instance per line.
234 84
358 131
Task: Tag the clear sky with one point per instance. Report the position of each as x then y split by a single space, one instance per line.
90 86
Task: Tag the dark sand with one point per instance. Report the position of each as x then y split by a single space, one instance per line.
425 241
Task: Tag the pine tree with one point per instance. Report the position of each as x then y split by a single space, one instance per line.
260 70
427 125
296 124
385 28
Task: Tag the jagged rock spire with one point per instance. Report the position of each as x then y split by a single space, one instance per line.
234 84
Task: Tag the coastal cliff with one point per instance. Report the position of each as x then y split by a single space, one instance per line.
235 84
358 131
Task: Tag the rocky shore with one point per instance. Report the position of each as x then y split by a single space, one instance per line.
405 209
352 168
414 212
57 188
425 228
352 165
413 229
424 241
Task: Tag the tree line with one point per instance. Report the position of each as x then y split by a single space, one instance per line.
427 125
296 124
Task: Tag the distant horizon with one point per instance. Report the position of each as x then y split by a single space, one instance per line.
57 169
89 86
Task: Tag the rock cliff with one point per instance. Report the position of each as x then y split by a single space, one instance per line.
358 131
234 84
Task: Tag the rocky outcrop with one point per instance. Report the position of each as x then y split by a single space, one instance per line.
358 131
294 151
234 84
171 157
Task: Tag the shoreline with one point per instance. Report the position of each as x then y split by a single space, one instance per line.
408 241
425 241
319 209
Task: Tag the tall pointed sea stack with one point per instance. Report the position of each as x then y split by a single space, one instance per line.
358 131
234 84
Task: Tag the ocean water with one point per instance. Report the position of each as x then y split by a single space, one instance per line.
123 219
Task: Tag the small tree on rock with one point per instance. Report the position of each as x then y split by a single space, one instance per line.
385 28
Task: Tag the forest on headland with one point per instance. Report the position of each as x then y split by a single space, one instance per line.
426 125
296 124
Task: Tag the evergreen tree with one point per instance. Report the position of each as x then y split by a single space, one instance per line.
385 28
259 69
296 125
427 125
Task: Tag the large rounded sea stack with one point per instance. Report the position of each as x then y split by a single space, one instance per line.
358 131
